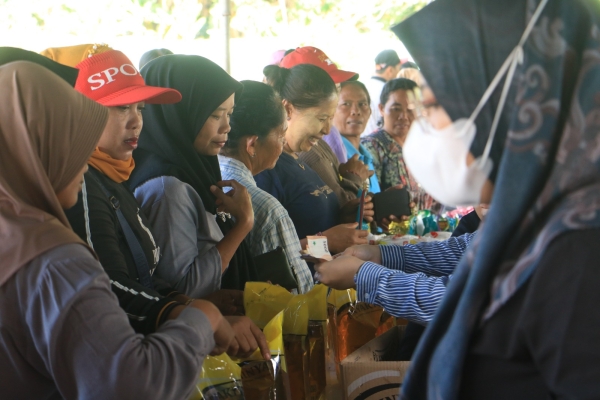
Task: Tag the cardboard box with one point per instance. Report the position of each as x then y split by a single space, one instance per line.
370 373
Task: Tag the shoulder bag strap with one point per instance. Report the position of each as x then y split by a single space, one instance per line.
139 257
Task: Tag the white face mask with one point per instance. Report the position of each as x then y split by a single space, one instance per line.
437 158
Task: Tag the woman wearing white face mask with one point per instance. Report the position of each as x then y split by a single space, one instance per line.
519 317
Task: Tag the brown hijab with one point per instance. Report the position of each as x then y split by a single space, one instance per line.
47 133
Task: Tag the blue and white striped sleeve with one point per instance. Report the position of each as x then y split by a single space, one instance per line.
412 296
430 258
392 256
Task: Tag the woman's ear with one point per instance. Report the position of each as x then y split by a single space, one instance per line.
381 108
251 145
289 109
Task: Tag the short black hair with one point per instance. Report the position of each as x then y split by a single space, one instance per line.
393 85
386 59
258 110
304 85
359 85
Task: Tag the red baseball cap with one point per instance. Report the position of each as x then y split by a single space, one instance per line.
111 79
314 56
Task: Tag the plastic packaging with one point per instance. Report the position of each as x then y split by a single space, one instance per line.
317 341
220 378
267 379
263 301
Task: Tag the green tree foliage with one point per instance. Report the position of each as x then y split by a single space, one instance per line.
273 17
187 19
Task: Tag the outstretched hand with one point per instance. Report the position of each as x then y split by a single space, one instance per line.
342 236
248 337
365 252
339 273
350 209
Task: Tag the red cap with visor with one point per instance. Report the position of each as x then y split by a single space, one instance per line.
314 56
110 79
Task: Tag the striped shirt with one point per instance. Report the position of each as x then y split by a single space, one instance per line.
272 224
413 278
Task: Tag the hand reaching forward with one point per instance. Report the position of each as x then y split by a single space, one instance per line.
339 273
222 331
340 237
365 252
248 337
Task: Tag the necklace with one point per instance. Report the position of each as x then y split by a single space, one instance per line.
295 157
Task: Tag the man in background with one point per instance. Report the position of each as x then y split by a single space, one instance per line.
387 66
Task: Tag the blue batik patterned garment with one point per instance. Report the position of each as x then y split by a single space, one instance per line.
546 153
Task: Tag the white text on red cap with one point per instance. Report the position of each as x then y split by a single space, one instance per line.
110 73
325 59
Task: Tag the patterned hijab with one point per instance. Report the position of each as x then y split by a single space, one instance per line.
547 152
47 133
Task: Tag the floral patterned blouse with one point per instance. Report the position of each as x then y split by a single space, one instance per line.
391 169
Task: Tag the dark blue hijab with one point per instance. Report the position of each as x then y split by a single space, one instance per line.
547 150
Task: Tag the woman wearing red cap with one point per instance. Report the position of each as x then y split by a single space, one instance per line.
310 99
107 215
62 332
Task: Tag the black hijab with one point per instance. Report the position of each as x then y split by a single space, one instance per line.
166 145
11 54
475 44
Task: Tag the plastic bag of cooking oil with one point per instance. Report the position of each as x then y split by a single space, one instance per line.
353 323
304 330
220 378
267 379
295 341
317 342
263 301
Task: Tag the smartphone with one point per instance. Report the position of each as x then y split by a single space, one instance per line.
391 202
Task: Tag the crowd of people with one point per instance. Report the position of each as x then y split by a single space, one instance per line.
136 204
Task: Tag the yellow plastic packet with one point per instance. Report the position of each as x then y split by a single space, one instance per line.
263 301
295 329
304 328
220 378
317 341
267 379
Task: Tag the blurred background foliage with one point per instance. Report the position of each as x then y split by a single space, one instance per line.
340 27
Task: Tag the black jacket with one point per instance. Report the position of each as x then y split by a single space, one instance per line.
94 219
